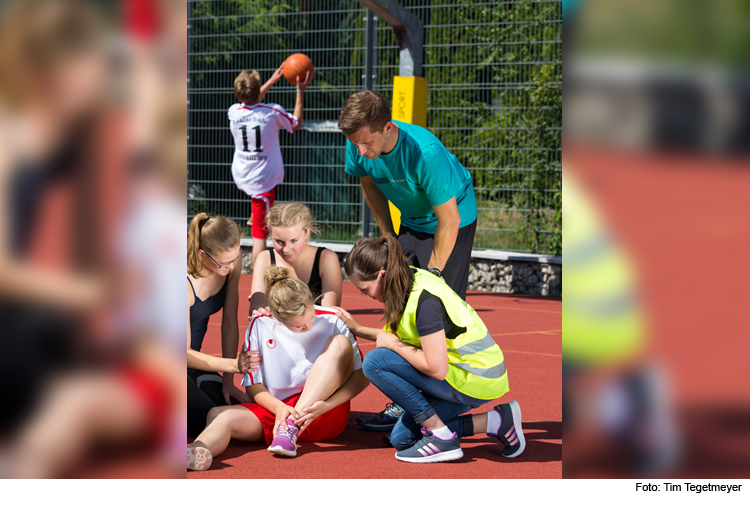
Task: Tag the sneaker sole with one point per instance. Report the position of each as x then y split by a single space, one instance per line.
282 452
199 458
435 458
516 411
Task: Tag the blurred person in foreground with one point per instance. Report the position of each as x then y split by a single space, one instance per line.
122 385
134 394
614 399
53 73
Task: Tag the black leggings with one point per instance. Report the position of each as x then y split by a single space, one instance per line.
38 343
203 394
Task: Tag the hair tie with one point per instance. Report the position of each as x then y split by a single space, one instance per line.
203 222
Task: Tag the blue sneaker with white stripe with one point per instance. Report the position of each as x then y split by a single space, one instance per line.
431 449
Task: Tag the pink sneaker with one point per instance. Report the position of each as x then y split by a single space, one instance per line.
285 442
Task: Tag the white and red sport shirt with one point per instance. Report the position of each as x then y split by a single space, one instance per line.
288 356
257 166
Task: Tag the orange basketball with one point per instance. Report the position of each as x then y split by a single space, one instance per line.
297 65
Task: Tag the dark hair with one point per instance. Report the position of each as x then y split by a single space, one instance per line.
368 257
210 234
365 108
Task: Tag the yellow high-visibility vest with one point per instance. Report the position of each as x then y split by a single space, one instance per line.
602 318
476 366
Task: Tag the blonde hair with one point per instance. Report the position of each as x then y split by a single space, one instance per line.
287 297
247 86
37 37
290 214
213 235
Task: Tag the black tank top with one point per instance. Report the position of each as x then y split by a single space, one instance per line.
28 188
316 283
201 311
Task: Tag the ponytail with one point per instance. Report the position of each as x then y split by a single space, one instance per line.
287 297
210 234
368 257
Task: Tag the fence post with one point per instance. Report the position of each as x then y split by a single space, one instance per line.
370 58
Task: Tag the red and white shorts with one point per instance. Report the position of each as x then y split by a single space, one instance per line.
261 204
327 426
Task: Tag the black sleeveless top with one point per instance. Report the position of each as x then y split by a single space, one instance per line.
316 283
28 188
201 311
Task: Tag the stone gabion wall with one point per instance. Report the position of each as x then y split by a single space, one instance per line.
503 276
516 277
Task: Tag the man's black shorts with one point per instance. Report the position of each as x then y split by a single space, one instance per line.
417 247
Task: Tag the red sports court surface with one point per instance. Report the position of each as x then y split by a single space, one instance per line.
528 330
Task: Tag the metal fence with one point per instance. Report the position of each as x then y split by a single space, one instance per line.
494 71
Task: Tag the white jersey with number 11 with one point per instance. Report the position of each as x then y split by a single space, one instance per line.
257 166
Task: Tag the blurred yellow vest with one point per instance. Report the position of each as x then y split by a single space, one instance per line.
602 320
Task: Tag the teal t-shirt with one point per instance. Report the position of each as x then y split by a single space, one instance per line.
418 174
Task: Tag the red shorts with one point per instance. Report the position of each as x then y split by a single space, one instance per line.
261 203
327 426
153 394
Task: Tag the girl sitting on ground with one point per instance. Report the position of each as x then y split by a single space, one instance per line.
290 226
311 369
435 358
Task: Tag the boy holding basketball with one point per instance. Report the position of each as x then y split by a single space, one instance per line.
257 166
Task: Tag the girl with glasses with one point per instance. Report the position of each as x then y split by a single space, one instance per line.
213 278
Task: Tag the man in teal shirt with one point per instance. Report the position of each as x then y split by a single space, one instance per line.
409 166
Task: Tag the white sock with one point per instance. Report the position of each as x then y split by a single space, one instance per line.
443 433
494 422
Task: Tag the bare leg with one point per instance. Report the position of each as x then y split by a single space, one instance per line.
226 423
432 423
480 423
79 411
258 246
330 371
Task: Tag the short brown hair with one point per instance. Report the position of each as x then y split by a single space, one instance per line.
364 109
247 86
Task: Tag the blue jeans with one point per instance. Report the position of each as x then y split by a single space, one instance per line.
420 396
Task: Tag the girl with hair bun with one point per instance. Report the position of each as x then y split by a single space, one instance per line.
434 357
290 225
311 368
213 284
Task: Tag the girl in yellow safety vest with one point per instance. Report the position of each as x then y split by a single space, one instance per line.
434 357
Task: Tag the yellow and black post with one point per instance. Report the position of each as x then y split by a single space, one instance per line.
409 106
